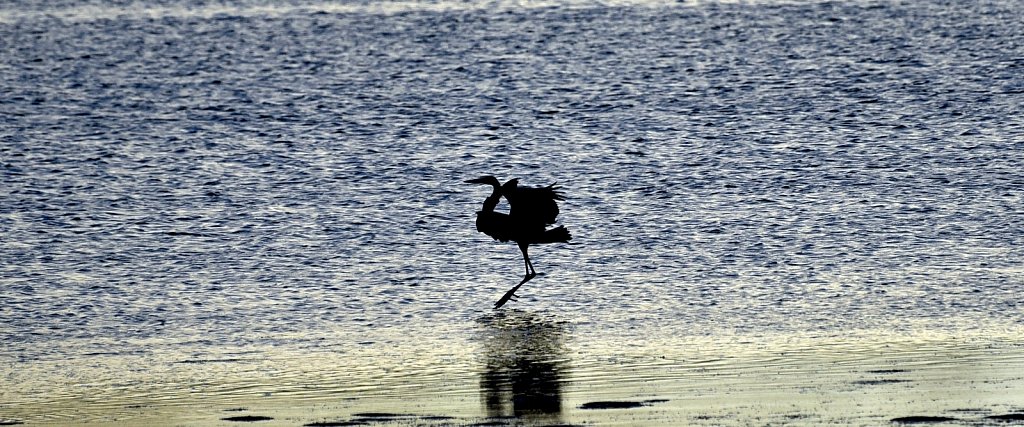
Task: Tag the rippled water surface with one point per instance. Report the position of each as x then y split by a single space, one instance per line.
223 201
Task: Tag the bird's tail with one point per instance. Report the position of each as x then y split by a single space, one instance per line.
558 234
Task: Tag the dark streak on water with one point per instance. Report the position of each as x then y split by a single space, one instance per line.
613 404
247 418
1007 417
922 419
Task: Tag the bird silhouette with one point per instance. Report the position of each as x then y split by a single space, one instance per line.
531 210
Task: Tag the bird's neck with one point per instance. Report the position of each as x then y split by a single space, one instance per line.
491 202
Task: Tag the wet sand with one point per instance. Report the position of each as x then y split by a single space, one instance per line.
519 370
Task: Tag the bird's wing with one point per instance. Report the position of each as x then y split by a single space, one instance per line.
535 204
496 224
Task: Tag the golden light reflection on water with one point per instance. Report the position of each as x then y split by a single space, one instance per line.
523 368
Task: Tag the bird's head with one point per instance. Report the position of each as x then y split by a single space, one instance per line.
489 180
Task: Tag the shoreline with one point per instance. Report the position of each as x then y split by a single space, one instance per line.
524 371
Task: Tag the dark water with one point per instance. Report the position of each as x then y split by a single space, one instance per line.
191 177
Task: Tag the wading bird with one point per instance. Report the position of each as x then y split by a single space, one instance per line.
531 210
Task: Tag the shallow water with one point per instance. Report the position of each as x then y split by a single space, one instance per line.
253 204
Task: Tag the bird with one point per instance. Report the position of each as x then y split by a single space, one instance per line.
531 210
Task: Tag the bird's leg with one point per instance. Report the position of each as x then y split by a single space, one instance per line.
530 273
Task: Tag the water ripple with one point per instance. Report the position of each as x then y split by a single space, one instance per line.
254 174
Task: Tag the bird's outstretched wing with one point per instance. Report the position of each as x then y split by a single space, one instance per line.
532 204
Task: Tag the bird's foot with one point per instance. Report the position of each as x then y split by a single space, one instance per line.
510 295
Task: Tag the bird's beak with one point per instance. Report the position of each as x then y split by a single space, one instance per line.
476 181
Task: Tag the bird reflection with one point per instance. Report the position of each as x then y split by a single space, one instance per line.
524 367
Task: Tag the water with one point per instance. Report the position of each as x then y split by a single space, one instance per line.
202 194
